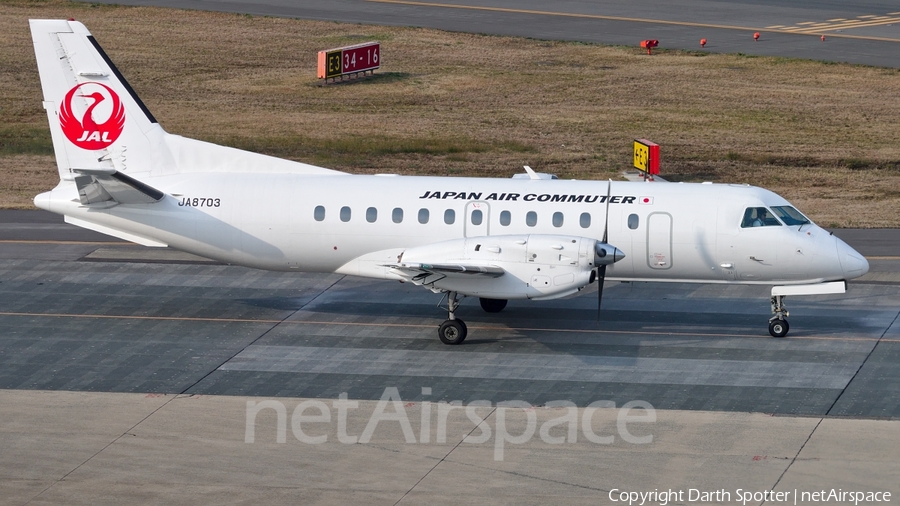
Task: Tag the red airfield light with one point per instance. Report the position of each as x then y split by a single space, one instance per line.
649 44
756 36
702 42
823 38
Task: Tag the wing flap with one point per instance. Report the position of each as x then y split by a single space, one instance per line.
421 272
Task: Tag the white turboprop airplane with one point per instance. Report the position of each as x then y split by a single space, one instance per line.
529 237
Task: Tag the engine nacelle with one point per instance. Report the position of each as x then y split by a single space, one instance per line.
534 266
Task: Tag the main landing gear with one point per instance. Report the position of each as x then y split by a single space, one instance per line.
778 324
452 331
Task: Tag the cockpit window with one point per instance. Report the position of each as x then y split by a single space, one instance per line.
790 216
759 217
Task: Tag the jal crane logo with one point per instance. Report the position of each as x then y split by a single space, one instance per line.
88 133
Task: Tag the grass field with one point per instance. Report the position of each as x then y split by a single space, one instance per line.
825 136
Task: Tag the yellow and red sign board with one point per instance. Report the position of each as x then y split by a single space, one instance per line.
646 156
341 61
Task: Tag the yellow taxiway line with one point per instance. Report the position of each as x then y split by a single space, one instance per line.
428 326
82 243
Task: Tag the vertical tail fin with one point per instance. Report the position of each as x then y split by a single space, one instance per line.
96 119
98 123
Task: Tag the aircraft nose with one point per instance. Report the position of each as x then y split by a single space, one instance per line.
853 263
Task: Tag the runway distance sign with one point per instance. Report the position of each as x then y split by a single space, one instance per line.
342 61
646 156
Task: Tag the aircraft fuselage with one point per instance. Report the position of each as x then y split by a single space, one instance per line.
668 232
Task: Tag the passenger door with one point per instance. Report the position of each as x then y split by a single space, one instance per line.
659 241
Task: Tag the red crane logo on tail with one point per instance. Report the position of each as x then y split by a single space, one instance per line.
88 133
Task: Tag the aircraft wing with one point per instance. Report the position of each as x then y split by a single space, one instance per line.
110 185
421 273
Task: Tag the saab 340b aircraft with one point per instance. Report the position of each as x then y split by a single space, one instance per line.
532 237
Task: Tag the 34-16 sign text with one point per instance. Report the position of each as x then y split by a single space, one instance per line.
341 61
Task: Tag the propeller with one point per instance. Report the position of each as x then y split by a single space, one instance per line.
601 252
605 253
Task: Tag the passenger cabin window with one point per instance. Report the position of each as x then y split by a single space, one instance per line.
423 216
371 214
345 214
531 218
449 216
633 221
759 217
790 216
397 215
319 213
477 216
505 218
585 220
558 219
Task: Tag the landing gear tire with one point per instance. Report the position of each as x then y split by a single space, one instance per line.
778 325
492 305
778 328
452 332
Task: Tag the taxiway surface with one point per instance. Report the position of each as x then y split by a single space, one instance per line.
856 32
86 315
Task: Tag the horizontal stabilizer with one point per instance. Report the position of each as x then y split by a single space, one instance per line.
126 236
110 185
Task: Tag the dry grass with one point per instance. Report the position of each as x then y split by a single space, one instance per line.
24 176
826 136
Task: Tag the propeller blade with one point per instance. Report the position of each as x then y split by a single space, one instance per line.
606 219
601 270
601 276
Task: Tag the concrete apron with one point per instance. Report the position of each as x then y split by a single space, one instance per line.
114 448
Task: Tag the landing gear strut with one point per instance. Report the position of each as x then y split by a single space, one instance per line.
452 331
778 324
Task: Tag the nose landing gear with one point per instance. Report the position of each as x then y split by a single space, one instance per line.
778 324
